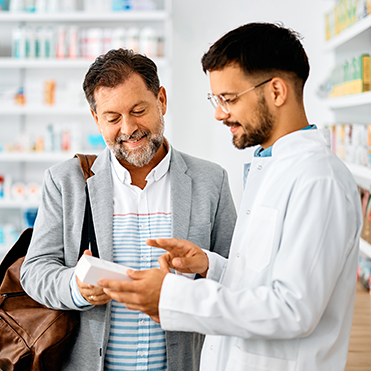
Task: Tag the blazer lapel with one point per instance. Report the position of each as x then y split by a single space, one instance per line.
181 195
101 200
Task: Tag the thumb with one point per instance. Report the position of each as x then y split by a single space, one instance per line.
88 252
135 275
183 262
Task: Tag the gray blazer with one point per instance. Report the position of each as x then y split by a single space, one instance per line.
202 212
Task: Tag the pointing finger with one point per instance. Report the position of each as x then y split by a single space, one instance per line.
165 261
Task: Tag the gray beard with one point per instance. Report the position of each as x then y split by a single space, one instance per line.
139 156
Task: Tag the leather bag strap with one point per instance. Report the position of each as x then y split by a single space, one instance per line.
88 233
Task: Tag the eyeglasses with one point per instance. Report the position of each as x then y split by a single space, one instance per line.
219 100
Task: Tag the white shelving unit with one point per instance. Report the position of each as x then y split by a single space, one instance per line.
353 108
349 34
82 16
83 63
41 157
350 101
30 166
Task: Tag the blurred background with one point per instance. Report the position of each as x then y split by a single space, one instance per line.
46 47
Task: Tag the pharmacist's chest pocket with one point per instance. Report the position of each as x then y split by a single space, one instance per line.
259 239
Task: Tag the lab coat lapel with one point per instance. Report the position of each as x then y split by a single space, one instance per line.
181 195
101 201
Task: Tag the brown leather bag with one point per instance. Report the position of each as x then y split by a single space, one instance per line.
33 336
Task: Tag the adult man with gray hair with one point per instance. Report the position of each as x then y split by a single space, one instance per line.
141 188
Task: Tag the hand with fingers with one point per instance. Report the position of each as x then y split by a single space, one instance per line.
182 255
92 294
143 293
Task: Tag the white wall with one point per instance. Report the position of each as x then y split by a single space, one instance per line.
199 23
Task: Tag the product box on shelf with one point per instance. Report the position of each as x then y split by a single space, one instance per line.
364 271
352 143
18 191
364 261
55 138
345 14
361 74
71 41
352 76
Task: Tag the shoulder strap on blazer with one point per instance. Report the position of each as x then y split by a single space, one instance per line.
88 233
86 162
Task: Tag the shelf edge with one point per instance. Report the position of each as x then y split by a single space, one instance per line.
351 32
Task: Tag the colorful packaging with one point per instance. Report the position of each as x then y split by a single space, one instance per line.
340 132
361 74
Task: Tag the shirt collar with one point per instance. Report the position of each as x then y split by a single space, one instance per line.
154 175
260 152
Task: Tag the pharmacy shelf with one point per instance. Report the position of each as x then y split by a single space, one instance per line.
43 110
7 62
361 174
81 16
42 157
353 100
365 247
18 204
348 34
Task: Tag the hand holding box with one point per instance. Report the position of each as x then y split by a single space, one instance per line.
90 270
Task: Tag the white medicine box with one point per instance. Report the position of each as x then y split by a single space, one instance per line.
90 270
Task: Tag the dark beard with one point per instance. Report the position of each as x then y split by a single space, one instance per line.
254 136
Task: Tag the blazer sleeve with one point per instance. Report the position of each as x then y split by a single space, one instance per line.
44 274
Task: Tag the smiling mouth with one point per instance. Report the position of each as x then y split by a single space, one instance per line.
134 140
231 124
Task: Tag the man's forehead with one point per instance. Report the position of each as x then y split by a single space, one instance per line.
228 79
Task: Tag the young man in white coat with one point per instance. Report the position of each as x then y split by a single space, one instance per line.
283 301
141 187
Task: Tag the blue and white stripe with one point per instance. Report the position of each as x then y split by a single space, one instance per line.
135 341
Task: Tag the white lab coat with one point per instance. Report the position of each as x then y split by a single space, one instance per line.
284 299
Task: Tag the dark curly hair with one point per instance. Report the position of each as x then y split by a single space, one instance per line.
114 67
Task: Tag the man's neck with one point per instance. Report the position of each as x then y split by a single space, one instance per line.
138 174
286 125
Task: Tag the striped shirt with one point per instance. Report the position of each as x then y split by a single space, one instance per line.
135 341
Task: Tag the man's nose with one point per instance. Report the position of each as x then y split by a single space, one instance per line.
128 126
220 115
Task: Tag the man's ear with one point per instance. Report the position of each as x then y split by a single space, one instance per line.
279 91
96 119
162 99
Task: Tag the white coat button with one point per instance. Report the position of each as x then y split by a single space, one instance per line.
248 212
211 347
142 195
142 322
238 255
260 167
